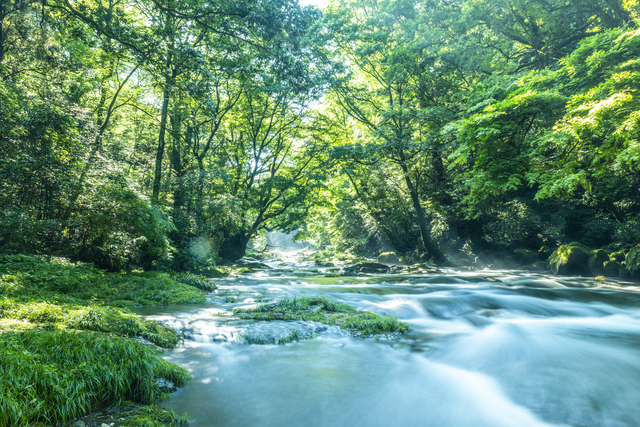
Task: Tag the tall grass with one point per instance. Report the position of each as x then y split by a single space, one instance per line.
88 318
55 376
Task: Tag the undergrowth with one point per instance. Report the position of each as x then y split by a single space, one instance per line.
41 278
55 376
195 280
324 310
67 344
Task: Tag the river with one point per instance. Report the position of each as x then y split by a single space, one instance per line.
486 348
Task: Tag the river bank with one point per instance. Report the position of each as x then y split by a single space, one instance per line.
70 346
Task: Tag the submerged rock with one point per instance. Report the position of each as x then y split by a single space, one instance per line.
570 259
388 258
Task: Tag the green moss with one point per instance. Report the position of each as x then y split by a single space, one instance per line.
55 376
570 259
153 416
324 310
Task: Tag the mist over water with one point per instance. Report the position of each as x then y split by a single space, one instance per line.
485 349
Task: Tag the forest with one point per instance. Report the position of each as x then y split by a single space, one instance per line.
175 134
150 143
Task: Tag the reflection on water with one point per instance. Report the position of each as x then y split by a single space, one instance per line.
485 349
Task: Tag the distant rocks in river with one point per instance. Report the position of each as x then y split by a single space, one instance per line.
571 259
367 267
388 258
578 259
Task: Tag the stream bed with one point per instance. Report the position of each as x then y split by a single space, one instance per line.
485 348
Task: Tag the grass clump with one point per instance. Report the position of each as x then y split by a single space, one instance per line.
195 280
324 310
55 376
154 416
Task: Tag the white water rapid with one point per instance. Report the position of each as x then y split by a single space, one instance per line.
486 349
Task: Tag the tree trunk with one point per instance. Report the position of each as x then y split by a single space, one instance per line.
168 82
429 245
235 247
614 210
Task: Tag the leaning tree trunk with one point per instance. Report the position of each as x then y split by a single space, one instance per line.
430 246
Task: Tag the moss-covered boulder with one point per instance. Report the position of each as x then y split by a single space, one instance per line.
597 258
323 310
570 259
612 268
632 262
367 267
624 273
617 256
388 258
525 256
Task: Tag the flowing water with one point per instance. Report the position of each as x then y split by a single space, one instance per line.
485 349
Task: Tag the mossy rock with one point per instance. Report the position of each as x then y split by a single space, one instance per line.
323 310
525 256
388 258
367 267
571 259
632 262
617 256
612 268
544 253
321 263
624 273
597 258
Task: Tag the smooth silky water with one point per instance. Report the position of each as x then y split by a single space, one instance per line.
486 349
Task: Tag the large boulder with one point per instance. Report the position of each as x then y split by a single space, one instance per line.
632 262
624 273
388 258
597 258
612 268
617 256
525 256
570 259
367 267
